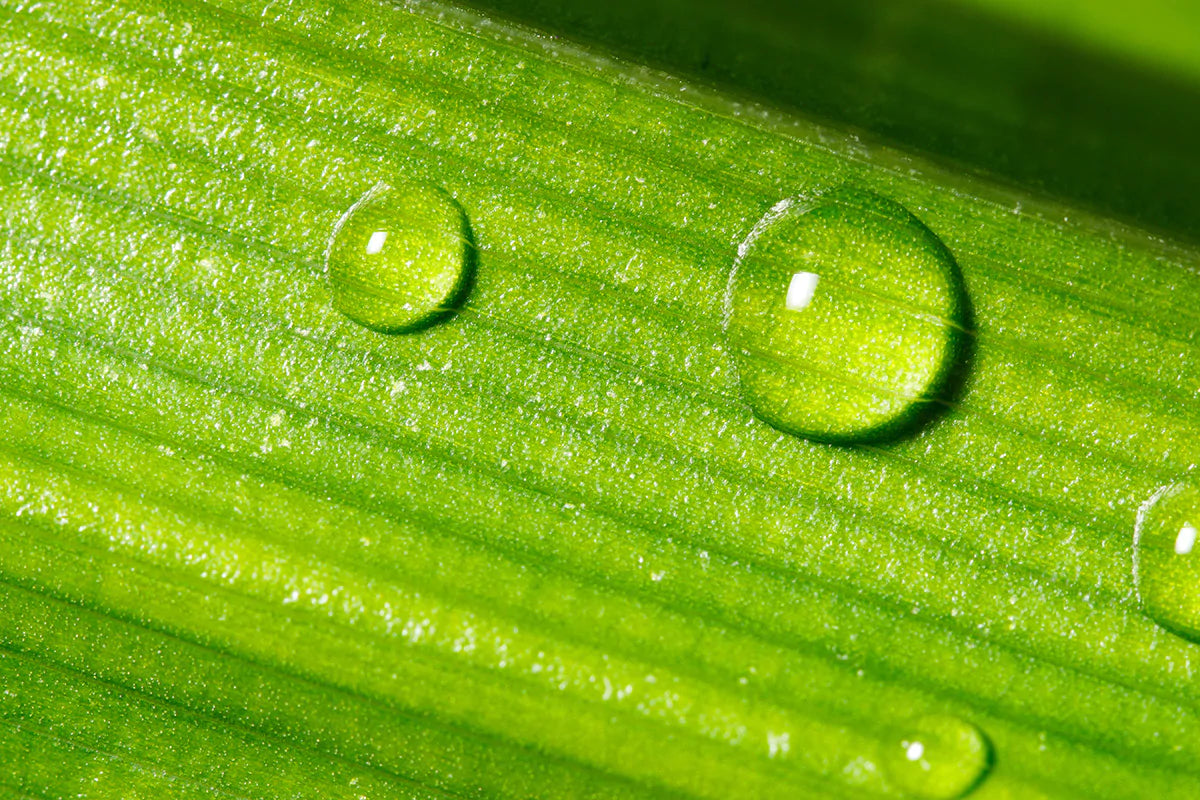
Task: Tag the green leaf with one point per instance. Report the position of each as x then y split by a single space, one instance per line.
542 547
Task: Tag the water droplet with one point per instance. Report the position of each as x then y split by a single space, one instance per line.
1166 561
401 258
847 317
940 758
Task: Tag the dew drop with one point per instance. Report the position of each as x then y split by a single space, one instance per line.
1166 561
847 317
401 258
940 758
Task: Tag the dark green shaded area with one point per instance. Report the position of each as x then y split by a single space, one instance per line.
960 84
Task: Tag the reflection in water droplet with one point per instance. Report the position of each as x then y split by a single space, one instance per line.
400 258
847 317
801 290
941 758
1166 564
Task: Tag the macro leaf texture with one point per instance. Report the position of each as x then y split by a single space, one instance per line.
542 546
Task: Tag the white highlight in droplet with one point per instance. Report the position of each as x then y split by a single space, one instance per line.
914 751
801 290
1186 540
375 243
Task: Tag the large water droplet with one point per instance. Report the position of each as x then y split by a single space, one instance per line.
940 758
1166 558
400 258
847 317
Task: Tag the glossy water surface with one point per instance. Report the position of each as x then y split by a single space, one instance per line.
400 258
846 316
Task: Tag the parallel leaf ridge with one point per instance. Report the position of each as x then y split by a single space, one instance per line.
542 547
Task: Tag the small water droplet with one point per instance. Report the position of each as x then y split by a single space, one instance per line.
847 317
940 758
401 258
1166 561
